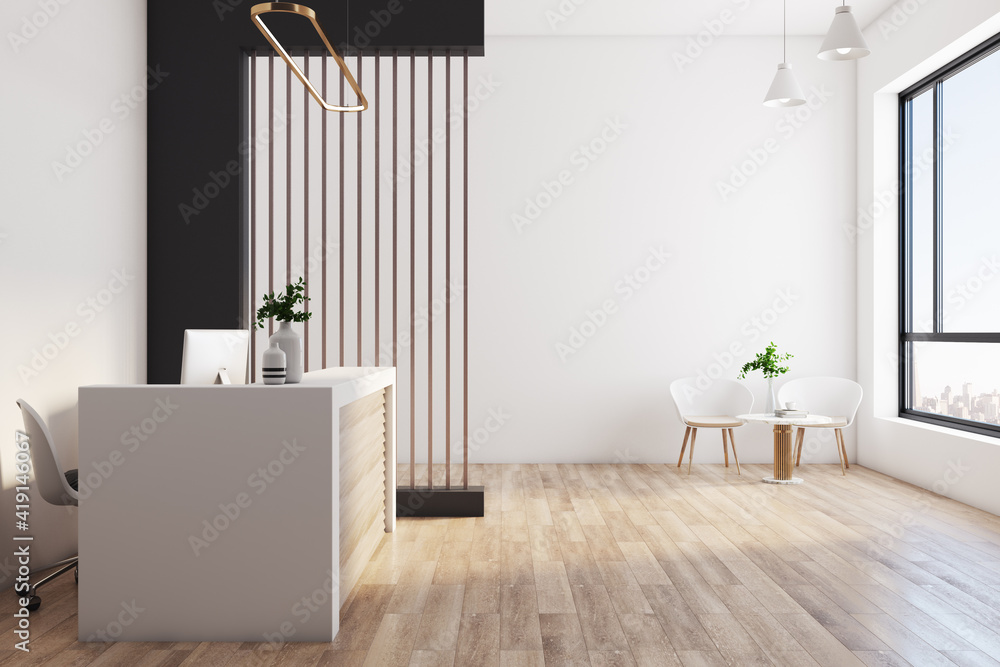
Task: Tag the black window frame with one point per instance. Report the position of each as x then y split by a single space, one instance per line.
934 83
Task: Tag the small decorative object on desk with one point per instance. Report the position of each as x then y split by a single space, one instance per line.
272 365
282 308
768 362
778 412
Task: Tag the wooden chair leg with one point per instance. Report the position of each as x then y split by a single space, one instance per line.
687 432
732 443
725 447
841 450
694 435
843 444
798 445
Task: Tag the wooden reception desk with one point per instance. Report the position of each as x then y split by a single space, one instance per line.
232 513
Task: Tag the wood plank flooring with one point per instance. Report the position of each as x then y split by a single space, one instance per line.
639 565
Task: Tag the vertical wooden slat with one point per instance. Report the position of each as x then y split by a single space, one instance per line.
323 219
360 180
341 224
253 210
395 203
430 268
447 269
305 211
288 177
413 275
270 183
784 465
378 342
465 270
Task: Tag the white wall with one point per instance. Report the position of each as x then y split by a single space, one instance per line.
64 235
906 46
655 186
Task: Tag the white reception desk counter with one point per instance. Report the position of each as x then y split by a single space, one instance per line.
232 513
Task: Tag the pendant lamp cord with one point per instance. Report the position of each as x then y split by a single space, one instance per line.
784 31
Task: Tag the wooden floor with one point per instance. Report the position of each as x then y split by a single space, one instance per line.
641 565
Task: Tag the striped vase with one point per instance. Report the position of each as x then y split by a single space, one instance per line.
272 367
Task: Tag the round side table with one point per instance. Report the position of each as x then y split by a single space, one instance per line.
784 464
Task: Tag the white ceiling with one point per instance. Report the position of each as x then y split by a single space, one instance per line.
667 17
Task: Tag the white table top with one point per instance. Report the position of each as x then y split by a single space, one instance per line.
764 418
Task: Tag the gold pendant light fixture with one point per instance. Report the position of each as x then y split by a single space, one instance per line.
292 8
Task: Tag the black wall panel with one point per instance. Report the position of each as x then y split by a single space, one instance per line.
195 223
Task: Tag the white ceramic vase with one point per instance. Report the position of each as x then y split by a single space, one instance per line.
772 401
290 343
273 365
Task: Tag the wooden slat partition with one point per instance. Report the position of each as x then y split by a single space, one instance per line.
316 210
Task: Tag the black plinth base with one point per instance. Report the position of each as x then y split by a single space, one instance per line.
426 502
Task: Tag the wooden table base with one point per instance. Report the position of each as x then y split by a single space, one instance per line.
784 463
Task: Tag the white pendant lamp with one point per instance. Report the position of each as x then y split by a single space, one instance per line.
844 40
784 90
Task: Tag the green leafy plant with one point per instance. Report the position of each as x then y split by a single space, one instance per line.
768 362
282 306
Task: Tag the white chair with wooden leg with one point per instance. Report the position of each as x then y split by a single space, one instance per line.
838 398
712 406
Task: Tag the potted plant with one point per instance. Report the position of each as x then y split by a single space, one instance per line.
770 363
282 308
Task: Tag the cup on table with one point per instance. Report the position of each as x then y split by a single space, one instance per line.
790 405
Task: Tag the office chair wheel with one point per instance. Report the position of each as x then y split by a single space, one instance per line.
34 603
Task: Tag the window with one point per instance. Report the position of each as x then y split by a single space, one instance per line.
949 162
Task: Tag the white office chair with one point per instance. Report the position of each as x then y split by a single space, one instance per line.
714 406
834 397
55 486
